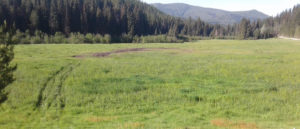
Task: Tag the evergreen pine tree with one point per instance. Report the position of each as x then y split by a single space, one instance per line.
6 56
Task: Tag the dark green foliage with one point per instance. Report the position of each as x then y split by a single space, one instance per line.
113 17
111 21
118 18
6 56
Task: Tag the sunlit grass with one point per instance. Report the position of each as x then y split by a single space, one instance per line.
206 84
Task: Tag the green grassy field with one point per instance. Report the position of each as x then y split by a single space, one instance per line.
203 85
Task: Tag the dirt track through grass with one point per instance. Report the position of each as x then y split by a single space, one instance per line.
106 54
54 82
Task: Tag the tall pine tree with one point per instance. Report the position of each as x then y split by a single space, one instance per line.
6 56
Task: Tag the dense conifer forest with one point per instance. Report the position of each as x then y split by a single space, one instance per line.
103 21
287 23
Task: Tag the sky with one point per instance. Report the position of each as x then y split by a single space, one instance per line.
269 7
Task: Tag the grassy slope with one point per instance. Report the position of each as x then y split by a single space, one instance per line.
210 84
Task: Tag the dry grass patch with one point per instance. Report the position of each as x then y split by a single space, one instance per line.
101 119
233 124
134 125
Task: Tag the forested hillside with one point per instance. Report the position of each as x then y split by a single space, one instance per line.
209 15
86 16
288 23
113 17
104 21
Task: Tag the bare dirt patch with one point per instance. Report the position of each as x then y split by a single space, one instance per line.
128 50
101 119
135 125
283 37
232 124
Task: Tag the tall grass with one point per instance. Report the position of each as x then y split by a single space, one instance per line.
192 85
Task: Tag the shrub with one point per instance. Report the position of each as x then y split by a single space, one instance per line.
98 38
58 38
18 37
37 38
126 38
46 39
107 38
76 38
89 38
159 39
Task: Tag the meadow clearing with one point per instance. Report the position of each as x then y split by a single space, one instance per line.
209 84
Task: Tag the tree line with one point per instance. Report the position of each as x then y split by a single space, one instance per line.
113 17
287 23
116 19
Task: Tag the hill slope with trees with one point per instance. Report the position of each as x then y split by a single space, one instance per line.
105 21
209 15
127 18
112 17
287 23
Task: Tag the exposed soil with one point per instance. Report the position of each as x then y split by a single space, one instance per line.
128 50
283 37
101 119
233 125
135 125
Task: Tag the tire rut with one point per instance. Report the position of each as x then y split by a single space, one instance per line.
60 102
40 96
55 81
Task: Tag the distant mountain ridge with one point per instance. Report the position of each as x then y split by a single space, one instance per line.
210 15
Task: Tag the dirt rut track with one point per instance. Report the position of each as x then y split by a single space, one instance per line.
50 94
127 50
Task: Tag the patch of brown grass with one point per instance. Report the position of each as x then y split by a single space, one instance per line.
100 119
134 125
233 124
